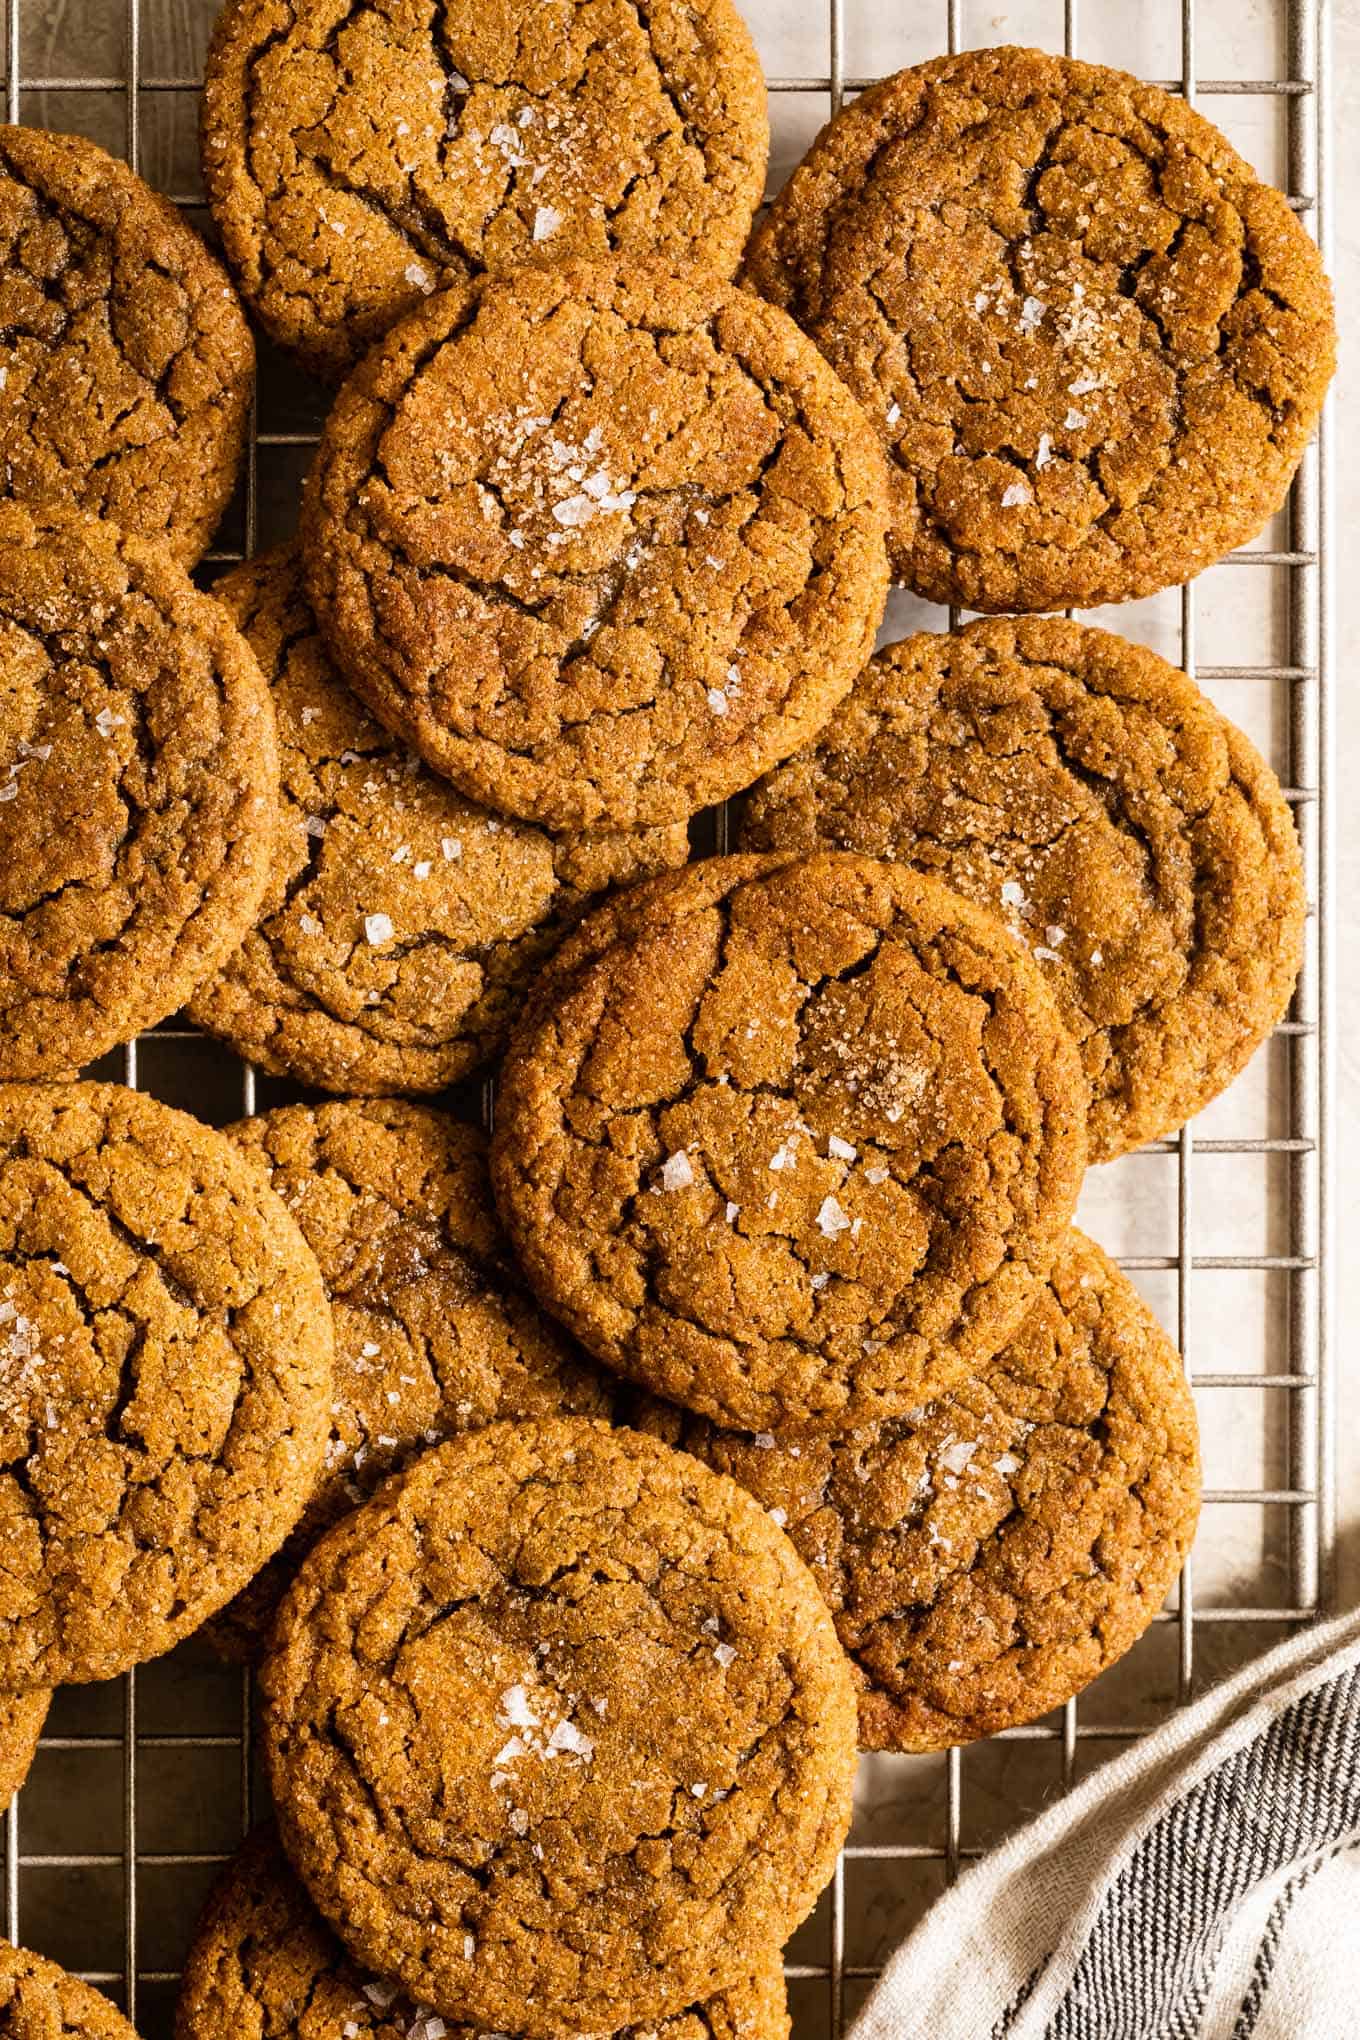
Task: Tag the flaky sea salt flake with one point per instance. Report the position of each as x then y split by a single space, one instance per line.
677 1172
515 1708
832 1219
568 1738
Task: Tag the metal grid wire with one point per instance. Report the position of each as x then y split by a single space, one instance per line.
1297 1378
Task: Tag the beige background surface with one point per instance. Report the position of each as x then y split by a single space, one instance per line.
1346 431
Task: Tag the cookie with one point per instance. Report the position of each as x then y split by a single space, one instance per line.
401 923
1087 792
128 363
165 1345
38 2001
651 904
357 158
559 1730
138 788
988 1556
21 1723
435 1332
601 544
1093 343
798 1151
265 1966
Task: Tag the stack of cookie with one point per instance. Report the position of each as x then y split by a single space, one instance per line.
586 1499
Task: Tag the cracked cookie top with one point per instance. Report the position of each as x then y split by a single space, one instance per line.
1090 795
138 788
435 1332
559 1729
360 154
602 545
165 1378
264 1964
988 1556
401 922
21 1723
38 2001
128 362
1093 344
796 1150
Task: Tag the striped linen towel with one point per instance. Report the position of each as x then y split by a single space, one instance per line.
1204 1886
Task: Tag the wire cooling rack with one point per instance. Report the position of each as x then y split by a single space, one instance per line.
142 1787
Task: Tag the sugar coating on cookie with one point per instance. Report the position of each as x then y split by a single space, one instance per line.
166 1378
359 154
401 922
138 787
799 1149
989 1555
435 1330
21 1721
559 1730
128 362
1089 794
1093 343
262 1950
601 544
38 1999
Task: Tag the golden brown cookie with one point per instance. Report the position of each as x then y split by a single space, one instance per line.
1093 344
265 1966
166 1349
650 905
401 923
435 1332
798 1150
358 156
38 2001
988 1556
138 787
128 365
21 1723
601 544
559 1730
1088 793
